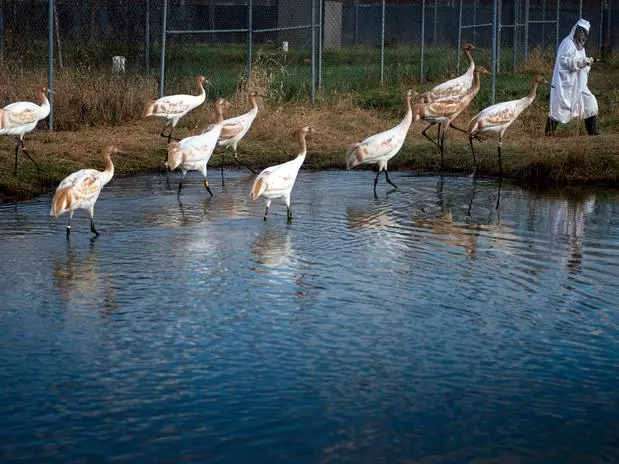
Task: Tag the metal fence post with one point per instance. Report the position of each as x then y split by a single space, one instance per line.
498 34
313 60
356 38
249 35
1 32
423 34
495 8
434 38
557 31
147 38
50 60
164 27
526 31
382 44
320 32
460 37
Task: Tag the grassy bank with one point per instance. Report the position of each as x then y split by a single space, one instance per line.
94 108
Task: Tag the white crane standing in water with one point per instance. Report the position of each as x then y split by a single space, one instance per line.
381 147
277 181
234 129
173 107
22 117
498 117
81 190
193 153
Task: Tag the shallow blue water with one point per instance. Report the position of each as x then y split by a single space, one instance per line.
422 326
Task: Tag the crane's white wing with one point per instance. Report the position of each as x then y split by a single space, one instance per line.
20 113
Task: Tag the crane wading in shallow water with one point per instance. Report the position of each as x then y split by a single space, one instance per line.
445 110
452 88
173 107
22 117
234 129
193 153
498 117
81 190
277 181
381 147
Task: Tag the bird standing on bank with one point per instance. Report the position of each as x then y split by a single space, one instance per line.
81 190
234 129
22 117
451 88
381 147
193 153
173 107
277 181
498 117
445 110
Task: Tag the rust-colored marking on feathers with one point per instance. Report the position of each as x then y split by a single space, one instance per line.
148 108
257 188
23 117
63 200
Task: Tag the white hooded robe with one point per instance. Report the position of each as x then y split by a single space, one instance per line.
570 97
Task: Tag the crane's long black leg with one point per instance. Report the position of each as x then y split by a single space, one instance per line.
23 148
16 153
69 225
180 186
222 169
498 194
423 132
474 174
442 138
289 215
266 213
389 180
92 227
208 189
375 182
499 153
457 128
243 164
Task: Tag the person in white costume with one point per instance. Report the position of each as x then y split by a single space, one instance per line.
570 97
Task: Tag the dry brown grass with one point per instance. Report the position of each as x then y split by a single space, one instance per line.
93 110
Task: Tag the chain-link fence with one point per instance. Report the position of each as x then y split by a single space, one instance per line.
294 46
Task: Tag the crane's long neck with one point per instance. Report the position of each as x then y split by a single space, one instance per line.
108 172
220 114
533 91
468 97
253 103
202 93
43 103
408 117
469 55
303 144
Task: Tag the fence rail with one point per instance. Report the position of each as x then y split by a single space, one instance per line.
316 40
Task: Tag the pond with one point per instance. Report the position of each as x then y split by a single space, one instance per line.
424 325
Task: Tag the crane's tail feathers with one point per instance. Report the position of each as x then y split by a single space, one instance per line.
4 118
149 108
355 155
258 188
175 155
473 125
62 202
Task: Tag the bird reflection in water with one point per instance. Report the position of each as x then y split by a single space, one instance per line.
272 250
82 283
463 232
